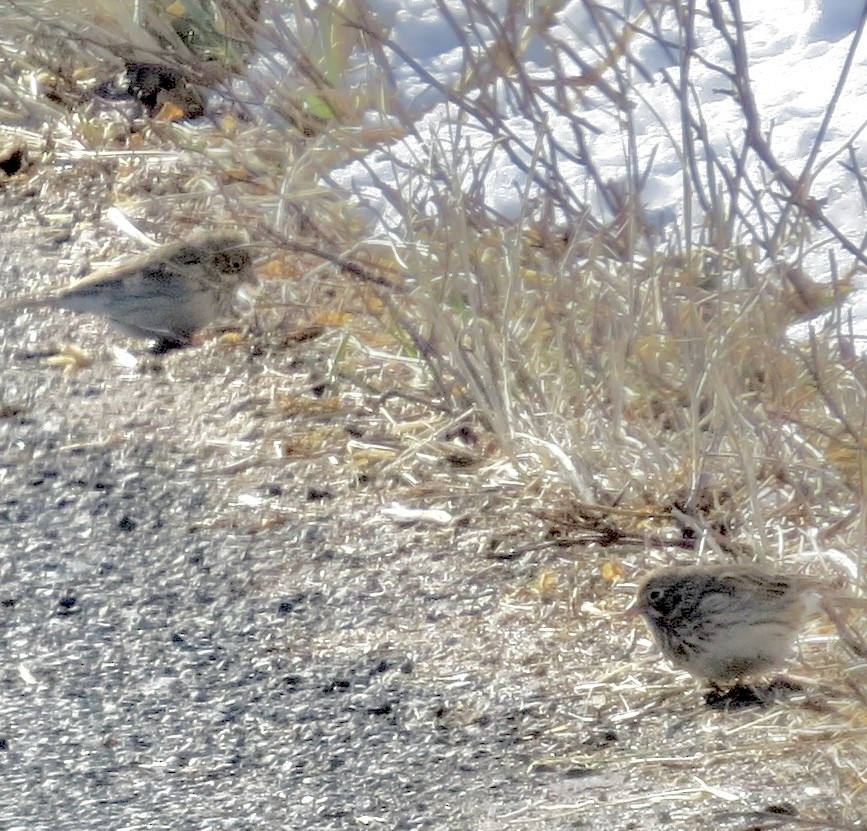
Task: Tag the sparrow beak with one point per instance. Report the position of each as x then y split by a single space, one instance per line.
629 613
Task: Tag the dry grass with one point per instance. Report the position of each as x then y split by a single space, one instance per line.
629 394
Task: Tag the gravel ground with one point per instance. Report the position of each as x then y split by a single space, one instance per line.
207 624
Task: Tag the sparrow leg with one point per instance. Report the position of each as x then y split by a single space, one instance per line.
165 345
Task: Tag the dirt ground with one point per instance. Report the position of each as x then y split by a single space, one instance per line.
214 615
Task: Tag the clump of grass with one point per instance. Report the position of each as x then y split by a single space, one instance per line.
634 372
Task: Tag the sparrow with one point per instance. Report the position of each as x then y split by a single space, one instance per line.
723 622
167 294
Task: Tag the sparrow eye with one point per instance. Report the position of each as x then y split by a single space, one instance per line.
231 262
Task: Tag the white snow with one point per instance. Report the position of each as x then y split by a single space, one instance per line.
796 50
